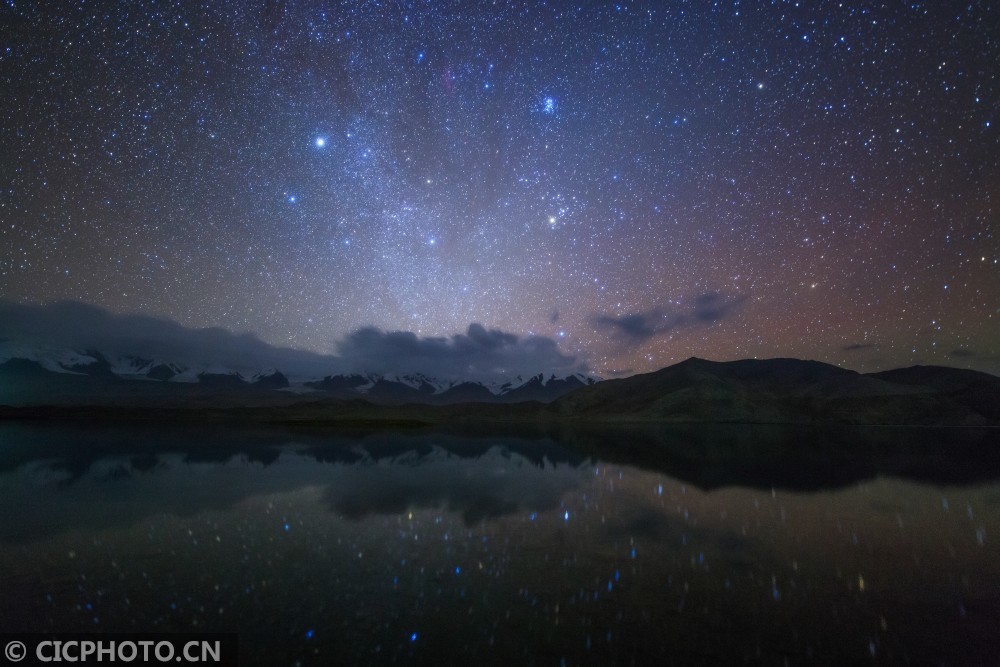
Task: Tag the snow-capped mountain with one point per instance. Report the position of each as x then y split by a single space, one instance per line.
74 340
418 388
53 363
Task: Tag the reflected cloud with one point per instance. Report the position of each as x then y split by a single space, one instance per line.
498 483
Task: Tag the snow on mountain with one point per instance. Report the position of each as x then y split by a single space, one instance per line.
419 381
387 388
54 360
419 388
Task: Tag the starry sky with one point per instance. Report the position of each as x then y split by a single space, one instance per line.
640 182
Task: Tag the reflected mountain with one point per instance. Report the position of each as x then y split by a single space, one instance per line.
118 475
799 458
500 482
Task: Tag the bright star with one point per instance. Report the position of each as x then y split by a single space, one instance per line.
320 142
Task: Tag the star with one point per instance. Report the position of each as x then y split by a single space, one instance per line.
471 165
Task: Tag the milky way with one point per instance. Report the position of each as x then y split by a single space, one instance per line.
640 182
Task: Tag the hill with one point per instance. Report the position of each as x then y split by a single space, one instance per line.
785 391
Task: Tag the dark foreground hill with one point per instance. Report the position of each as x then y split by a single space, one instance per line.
789 391
979 391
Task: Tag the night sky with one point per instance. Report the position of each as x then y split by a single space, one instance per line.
640 182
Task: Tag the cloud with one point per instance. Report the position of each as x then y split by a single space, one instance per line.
479 353
857 347
71 325
639 326
704 309
422 478
961 353
711 307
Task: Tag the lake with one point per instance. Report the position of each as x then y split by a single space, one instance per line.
642 546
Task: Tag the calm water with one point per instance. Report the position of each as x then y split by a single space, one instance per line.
617 547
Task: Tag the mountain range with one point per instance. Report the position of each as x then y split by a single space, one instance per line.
91 377
696 390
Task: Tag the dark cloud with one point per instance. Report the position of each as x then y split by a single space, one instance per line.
962 353
703 309
714 306
639 326
554 317
856 347
479 353
70 325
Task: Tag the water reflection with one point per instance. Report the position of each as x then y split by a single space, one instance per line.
694 545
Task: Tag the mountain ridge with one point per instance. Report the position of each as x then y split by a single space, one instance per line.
781 390
784 390
90 376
